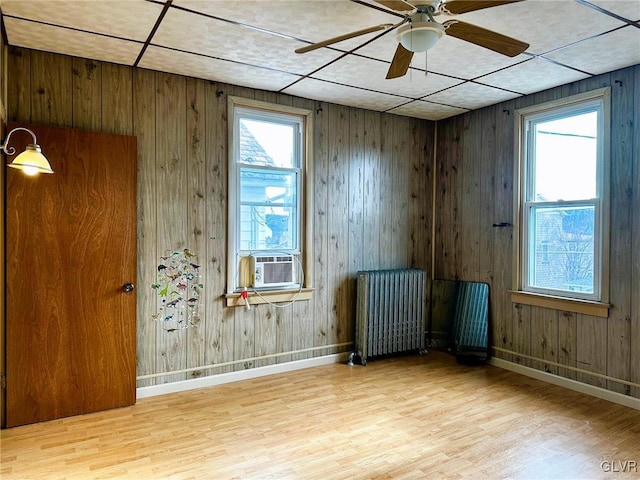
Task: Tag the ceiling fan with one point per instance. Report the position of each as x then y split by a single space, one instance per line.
418 31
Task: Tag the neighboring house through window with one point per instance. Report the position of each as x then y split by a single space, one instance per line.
562 197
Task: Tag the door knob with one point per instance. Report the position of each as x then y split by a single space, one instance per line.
128 287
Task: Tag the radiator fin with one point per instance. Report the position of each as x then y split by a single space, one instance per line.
390 312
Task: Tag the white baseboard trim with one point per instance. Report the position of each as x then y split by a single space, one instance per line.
212 380
585 388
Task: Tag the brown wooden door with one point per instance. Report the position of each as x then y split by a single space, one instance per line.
71 246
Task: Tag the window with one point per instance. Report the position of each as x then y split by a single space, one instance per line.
269 159
268 168
562 242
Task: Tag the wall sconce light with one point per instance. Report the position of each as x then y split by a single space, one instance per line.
31 161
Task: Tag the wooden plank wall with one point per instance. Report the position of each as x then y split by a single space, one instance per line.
364 215
475 161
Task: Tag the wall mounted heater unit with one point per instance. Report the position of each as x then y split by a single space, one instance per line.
273 270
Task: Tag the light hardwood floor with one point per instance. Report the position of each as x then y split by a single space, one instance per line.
404 417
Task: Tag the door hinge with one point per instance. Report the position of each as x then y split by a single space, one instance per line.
3 382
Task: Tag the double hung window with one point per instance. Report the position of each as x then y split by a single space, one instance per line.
563 240
268 164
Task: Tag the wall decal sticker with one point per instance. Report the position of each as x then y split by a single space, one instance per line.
178 287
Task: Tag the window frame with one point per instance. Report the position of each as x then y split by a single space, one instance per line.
596 303
239 166
304 171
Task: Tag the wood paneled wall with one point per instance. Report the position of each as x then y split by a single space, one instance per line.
475 161
372 184
373 209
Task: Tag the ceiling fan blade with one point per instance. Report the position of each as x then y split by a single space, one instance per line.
340 38
485 38
400 63
456 7
397 5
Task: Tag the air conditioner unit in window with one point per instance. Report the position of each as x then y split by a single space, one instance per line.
273 270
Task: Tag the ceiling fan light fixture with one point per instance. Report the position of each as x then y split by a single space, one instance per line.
420 36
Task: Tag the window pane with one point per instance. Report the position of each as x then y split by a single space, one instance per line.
267 143
565 158
561 248
268 211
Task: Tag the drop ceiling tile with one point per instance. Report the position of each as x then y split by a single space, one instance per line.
384 48
370 74
629 9
614 50
310 20
24 33
532 76
120 18
343 95
250 33
471 96
427 110
450 56
193 65
232 42
544 24
453 56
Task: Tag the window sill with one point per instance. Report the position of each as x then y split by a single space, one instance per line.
586 307
271 296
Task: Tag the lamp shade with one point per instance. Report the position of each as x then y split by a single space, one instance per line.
420 36
32 161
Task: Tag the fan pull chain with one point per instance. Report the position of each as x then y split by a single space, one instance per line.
411 61
426 62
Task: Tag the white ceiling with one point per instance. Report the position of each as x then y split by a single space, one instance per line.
251 43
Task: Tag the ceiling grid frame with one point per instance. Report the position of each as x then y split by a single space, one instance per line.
252 43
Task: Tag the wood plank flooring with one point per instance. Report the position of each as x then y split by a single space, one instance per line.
405 417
